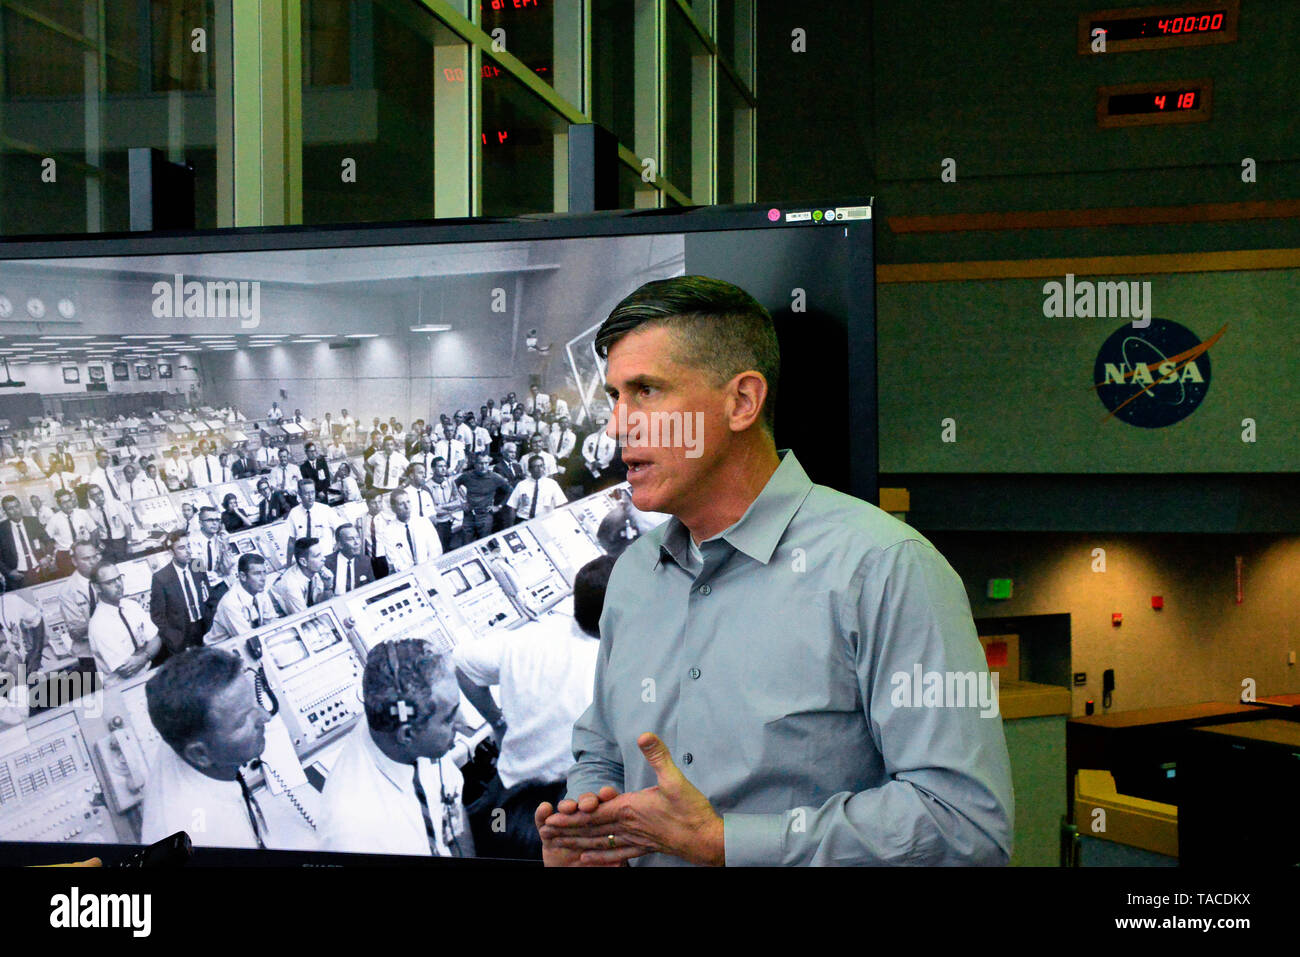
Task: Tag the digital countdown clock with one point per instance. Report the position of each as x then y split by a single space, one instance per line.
1156 28
1142 104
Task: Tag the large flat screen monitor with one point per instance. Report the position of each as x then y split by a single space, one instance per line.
207 381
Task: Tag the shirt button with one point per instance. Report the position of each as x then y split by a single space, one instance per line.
705 589
687 758
695 672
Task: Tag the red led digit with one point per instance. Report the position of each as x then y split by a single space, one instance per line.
1160 102
1216 21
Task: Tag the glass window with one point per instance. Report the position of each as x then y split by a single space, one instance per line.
735 36
80 91
687 126
632 192
528 29
372 75
735 138
613 69
522 139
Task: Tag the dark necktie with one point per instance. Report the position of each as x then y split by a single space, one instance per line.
429 829
374 545
537 484
207 469
411 541
387 459
190 603
419 500
254 814
90 590
27 548
311 590
209 568
127 625
108 529
257 613
109 482
349 585
308 523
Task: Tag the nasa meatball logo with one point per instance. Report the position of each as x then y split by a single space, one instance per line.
1154 376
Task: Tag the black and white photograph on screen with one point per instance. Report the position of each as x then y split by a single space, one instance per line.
95 373
389 472
71 374
121 372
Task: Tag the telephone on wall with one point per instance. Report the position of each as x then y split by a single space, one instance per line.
124 768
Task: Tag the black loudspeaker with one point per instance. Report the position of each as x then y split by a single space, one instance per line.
593 168
162 192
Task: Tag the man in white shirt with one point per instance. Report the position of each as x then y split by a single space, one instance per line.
598 449
545 672
284 478
392 789
326 430
275 413
205 469
535 495
122 636
424 455
562 439
42 511
335 451
451 450
174 471
462 430
268 456
480 439
422 501
204 707
449 505
535 447
148 485
78 601
67 526
114 523
247 605
525 424
387 467
311 519
211 547
538 403
307 581
130 472
373 537
349 427
102 476
408 541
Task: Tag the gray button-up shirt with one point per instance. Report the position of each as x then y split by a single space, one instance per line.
780 671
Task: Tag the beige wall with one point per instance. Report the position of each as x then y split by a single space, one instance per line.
1199 648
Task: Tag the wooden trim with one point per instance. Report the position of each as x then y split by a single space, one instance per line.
1093 218
1230 261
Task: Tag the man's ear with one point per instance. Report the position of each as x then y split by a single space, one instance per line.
196 753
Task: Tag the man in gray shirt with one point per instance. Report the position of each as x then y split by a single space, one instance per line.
753 700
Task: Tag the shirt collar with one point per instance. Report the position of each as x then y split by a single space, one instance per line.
401 775
759 530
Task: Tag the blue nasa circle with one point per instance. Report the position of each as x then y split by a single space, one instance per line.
1128 365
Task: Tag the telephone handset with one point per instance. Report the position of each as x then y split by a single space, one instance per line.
124 767
260 685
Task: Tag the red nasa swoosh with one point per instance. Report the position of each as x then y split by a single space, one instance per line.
1182 359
